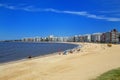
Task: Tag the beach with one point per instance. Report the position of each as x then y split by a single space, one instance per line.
92 60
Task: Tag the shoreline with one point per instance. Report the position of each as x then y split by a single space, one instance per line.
41 56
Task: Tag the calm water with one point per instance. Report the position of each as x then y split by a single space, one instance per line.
10 51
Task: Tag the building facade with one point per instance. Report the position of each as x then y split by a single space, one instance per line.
87 38
107 37
96 37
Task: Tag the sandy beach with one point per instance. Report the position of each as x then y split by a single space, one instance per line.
92 60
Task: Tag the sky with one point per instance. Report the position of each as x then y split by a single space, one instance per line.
30 18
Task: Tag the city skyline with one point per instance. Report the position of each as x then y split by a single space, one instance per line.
28 18
112 36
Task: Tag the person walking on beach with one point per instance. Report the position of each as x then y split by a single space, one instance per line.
59 51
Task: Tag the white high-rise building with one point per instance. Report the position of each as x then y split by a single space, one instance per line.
96 37
37 39
87 38
51 38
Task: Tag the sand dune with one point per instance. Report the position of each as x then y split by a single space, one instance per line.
91 61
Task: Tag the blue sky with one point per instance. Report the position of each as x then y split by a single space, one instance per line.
29 18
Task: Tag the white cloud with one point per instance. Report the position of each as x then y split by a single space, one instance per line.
7 6
79 13
86 14
28 8
112 11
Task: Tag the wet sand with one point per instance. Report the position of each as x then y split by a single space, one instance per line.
91 61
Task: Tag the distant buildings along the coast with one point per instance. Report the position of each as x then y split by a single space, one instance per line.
112 36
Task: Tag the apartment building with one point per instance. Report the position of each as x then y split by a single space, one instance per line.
96 37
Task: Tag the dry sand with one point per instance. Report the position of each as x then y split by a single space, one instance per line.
91 61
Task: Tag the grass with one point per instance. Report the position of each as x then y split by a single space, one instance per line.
110 75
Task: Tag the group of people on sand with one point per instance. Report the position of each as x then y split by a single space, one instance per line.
71 51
